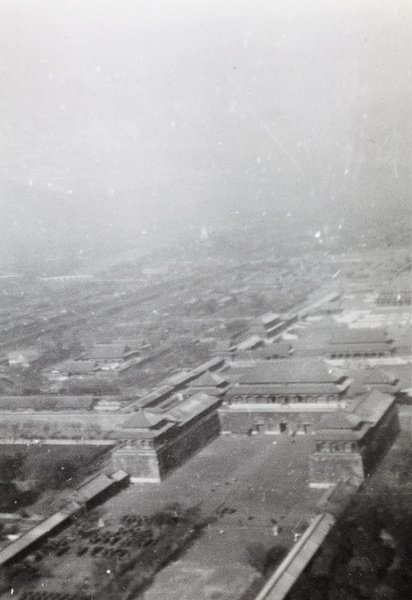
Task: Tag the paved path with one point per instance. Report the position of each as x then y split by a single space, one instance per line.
261 477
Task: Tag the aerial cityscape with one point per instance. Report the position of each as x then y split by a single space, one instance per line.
205 301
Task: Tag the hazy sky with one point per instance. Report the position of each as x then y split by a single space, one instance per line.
117 112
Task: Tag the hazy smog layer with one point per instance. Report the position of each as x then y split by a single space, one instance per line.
124 123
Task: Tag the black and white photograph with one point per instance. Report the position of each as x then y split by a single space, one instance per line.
205 300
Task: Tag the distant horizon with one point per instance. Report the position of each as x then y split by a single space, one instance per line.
116 116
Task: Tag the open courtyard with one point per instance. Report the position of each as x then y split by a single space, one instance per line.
260 478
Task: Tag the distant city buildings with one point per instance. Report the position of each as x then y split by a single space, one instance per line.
268 325
107 361
394 298
252 386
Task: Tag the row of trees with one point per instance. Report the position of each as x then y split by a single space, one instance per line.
369 553
24 476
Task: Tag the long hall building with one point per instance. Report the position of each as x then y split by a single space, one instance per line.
285 396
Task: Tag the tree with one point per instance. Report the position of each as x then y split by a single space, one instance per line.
52 472
263 560
11 466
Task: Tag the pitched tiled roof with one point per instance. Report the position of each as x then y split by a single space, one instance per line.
286 389
292 371
372 407
209 379
249 343
268 317
92 488
371 375
222 346
356 348
277 349
76 367
108 351
340 420
345 335
179 378
374 375
48 402
342 435
363 380
143 420
193 406
155 397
